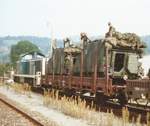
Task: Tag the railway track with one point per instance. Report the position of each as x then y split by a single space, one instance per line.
24 114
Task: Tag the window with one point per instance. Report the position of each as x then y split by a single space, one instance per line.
119 62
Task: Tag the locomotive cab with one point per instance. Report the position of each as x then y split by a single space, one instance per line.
123 65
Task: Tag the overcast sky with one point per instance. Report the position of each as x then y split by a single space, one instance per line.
70 17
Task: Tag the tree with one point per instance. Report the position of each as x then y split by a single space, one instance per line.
4 68
22 47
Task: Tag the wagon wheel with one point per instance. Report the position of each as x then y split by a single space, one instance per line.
122 98
136 100
147 98
129 99
146 101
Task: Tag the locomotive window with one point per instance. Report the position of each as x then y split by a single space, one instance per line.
119 62
74 61
38 66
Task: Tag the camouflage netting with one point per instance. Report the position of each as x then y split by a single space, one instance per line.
131 39
125 40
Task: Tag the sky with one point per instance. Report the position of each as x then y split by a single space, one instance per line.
64 18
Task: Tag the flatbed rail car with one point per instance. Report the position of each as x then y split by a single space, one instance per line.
137 89
94 67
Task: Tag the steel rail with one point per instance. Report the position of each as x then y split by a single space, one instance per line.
22 112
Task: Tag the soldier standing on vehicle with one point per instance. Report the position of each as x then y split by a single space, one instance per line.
84 39
109 37
111 30
66 42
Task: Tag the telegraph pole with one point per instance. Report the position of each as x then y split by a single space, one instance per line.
52 47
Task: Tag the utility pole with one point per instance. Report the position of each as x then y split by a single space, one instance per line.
3 68
52 47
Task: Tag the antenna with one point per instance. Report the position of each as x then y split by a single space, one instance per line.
52 47
52 42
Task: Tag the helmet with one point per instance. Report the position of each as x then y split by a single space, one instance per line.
109 23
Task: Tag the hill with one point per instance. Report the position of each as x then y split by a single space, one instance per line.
44 44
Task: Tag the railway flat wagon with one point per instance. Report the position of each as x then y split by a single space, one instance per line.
97 67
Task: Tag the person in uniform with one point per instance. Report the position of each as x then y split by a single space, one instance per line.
111 30
84 39
110 40
66 42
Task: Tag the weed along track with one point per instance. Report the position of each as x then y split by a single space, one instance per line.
58 100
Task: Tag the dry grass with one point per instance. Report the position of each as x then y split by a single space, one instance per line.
1 84
21 88
148 119
138 121
125 116
78 108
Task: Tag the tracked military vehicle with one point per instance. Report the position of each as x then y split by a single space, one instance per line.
103 65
